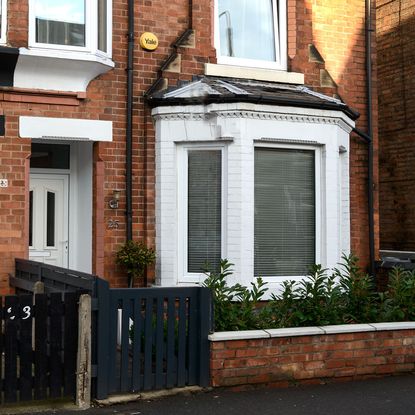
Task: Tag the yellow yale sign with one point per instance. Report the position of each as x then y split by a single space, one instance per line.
149 41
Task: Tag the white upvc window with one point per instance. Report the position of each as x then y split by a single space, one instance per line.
201 210
287 211
251 33
3 21
71 25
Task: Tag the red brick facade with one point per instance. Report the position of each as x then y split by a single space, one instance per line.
334 27
287 361
396 40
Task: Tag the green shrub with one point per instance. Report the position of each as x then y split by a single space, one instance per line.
235 307
358 303
346 295
398 302
134 257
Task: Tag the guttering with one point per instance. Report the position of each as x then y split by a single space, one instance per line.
368 137
128 146
254 99
369 30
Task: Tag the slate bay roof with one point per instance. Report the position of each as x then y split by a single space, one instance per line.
207 90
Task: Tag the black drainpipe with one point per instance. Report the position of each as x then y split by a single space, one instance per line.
368 137
128 146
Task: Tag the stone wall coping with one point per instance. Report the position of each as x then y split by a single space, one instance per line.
347 328
309 331
402 325
238 335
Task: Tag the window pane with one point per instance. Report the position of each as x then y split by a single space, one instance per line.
50 219
204 209
102 25
31 218
50 156
60 22
247 29
285 223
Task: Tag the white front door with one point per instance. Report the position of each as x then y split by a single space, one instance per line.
48 219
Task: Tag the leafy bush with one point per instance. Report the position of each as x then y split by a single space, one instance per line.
235 307
398 302
347 295
134 257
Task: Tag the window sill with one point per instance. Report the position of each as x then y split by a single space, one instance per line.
58 70
259 74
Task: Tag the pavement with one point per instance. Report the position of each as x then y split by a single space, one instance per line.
385 396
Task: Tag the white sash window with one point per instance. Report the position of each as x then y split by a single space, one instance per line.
78 25
251 33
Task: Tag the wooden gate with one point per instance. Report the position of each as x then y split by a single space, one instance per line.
38 345
151 338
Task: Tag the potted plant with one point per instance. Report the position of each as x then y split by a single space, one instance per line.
135 256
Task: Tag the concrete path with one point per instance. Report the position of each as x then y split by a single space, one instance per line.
391 395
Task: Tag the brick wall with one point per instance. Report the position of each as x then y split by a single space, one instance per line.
396 44
334 27
285 361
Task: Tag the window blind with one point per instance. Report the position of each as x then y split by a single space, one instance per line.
285 218
204 209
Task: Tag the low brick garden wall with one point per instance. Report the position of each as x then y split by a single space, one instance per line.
283 357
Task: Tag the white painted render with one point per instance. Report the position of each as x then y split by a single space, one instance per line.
58 70
240 127
80 207
65 128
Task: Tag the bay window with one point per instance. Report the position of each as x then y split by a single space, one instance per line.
77 25
263 186
251 33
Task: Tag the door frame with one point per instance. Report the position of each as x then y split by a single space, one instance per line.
80 203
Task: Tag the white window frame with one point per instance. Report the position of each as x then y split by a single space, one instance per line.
280 35
3 32
91 31
182 243
319 197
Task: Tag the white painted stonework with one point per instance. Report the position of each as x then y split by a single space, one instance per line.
239 128
309 331
259 74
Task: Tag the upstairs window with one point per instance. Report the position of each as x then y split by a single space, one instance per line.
79 25
3 20
251 33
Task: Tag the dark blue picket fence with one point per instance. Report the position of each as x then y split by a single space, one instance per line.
142 338
151 338
38 346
